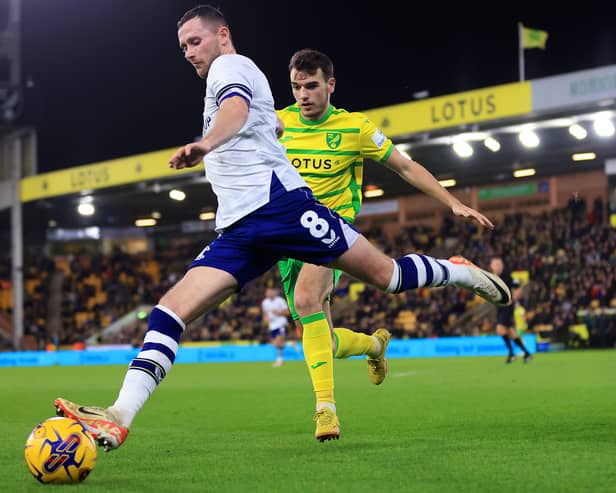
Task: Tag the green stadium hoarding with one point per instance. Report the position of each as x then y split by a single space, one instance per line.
506 192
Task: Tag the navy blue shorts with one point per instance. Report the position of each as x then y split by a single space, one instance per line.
273 333
294 224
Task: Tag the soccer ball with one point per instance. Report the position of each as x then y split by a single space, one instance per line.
60 450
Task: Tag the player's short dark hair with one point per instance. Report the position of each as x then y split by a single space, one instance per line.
309 60
205 13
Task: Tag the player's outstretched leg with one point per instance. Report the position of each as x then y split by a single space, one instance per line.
350 343
485 284
328 426
109 426
377 366
104 424
415 270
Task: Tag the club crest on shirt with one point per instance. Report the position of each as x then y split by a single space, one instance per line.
333 139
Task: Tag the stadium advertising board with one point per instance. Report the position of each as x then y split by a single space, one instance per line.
479 105
574 89
228 353
509 191
132 169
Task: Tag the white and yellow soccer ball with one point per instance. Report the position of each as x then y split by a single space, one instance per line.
60 450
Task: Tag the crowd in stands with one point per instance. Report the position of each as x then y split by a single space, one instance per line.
569 255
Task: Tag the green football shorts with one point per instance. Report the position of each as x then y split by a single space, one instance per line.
289 271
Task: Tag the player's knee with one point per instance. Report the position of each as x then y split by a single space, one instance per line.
307 302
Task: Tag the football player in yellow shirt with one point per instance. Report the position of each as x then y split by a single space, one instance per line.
328 145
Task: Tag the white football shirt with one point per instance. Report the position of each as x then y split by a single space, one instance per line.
240 170
268 306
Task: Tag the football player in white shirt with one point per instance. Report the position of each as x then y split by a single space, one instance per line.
275 312
265 212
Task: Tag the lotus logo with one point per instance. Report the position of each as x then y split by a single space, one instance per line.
333 139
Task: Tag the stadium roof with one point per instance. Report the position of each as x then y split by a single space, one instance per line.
427 129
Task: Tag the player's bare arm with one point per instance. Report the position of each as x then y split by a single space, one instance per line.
230 119
279 128
415 174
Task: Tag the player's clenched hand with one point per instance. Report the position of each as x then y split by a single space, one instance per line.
465 211
188 156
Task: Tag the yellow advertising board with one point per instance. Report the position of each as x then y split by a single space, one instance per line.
132 169
475 106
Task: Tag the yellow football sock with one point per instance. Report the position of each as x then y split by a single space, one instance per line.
317 343
349 343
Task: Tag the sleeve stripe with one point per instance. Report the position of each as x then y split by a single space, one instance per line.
241 87
234 93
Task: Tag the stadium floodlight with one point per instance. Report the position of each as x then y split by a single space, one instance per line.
603 127
404 149
86 209
529 138
451 182
578 131
463 148
492 144
144 223
207 216
521 173
584 156
156 214
176 194
373 191
403 146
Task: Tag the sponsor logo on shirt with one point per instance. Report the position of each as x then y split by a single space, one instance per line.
311 163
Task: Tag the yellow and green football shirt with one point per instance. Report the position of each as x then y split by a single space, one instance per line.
329 154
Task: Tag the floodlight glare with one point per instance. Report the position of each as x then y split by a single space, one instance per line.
529 138
578 131
374 192
584 156
86 209
207 216
463 148
145 222
604 127
492 144
448 183
176 194
521 173
403 146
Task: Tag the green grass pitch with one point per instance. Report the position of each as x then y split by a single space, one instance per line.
435 425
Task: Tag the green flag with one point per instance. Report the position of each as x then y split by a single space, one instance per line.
533 38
